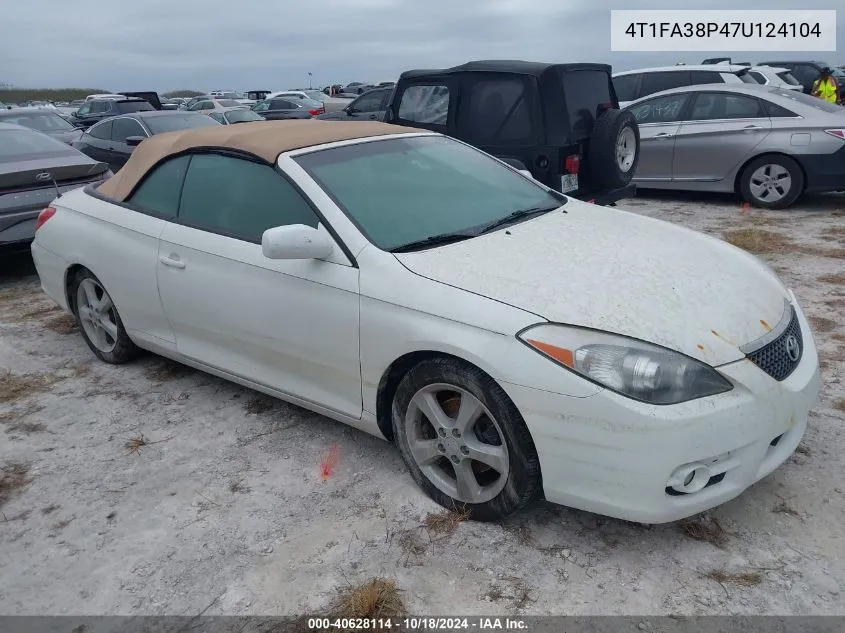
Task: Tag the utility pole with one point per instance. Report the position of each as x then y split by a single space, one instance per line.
309 81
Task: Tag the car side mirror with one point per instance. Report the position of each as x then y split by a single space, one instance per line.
296 241
350 110
134 141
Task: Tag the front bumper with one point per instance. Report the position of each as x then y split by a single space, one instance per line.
617 457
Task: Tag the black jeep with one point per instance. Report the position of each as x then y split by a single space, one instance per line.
560 122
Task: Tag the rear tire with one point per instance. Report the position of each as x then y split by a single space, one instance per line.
771 182
448 416
614 149
99 321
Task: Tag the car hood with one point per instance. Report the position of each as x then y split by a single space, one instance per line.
619 272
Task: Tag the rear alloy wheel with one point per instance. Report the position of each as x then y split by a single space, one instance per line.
101 325
464 441
772 182
614 149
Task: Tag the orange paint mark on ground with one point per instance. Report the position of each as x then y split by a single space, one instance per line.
745 207
328 461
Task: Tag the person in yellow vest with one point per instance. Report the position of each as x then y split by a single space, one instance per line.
825 87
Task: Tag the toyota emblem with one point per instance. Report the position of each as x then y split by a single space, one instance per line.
44 175
793 348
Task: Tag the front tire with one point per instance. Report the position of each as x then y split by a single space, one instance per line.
464 441
99 320
771 182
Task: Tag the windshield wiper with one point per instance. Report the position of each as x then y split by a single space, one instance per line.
433 240
515 217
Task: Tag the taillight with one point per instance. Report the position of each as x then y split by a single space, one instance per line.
838 133
45 215
573 164
316 111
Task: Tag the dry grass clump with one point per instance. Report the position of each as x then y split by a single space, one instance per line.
822 324
760 241
13 477
742 579
445 523
168 370
376 598
835 278
62 324
707 530
16 386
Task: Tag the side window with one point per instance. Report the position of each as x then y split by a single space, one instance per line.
715 106
385 98
85 109
698 77
217 116
261 107
497 110
123 128
425 104
626 87
370 102
758 76
666 109
159 191
207 105
655 82
240 198
776 111
102 131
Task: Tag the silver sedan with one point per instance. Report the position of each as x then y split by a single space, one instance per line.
764 143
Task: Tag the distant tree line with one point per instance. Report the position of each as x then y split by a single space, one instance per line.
22 95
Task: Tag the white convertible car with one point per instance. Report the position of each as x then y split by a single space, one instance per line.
512 342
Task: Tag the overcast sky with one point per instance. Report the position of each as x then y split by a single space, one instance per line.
274 44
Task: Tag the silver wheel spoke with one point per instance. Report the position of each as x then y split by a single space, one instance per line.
110 328
85 313
469 489
104 304
90 293
425 451
431 409
489 455
469 411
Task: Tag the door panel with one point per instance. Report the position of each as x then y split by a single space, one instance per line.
291 325
714 141
657 148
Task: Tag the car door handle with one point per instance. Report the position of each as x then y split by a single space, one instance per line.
172 263
664 135
752 127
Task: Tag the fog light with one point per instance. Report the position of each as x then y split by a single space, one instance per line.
690 478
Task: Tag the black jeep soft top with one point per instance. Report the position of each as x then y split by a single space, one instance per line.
561 122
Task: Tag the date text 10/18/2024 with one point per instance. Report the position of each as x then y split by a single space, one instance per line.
417 624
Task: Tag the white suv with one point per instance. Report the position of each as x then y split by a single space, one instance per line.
631 85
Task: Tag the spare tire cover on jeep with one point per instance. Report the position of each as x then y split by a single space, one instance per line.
614 148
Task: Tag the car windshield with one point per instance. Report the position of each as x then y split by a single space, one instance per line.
403 190
242 116
315 94
228 103
807 100
41 121
311 103
170 123
21 145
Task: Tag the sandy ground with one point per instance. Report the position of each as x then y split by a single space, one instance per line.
224 507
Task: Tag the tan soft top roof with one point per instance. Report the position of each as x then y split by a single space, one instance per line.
264 139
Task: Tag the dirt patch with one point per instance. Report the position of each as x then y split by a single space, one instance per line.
259 406
17 386
13 478
167 371
839 405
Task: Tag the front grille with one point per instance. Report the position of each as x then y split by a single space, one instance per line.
774 357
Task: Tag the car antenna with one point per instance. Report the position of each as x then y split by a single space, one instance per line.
56 186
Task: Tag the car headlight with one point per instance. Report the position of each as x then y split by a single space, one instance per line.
636 369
